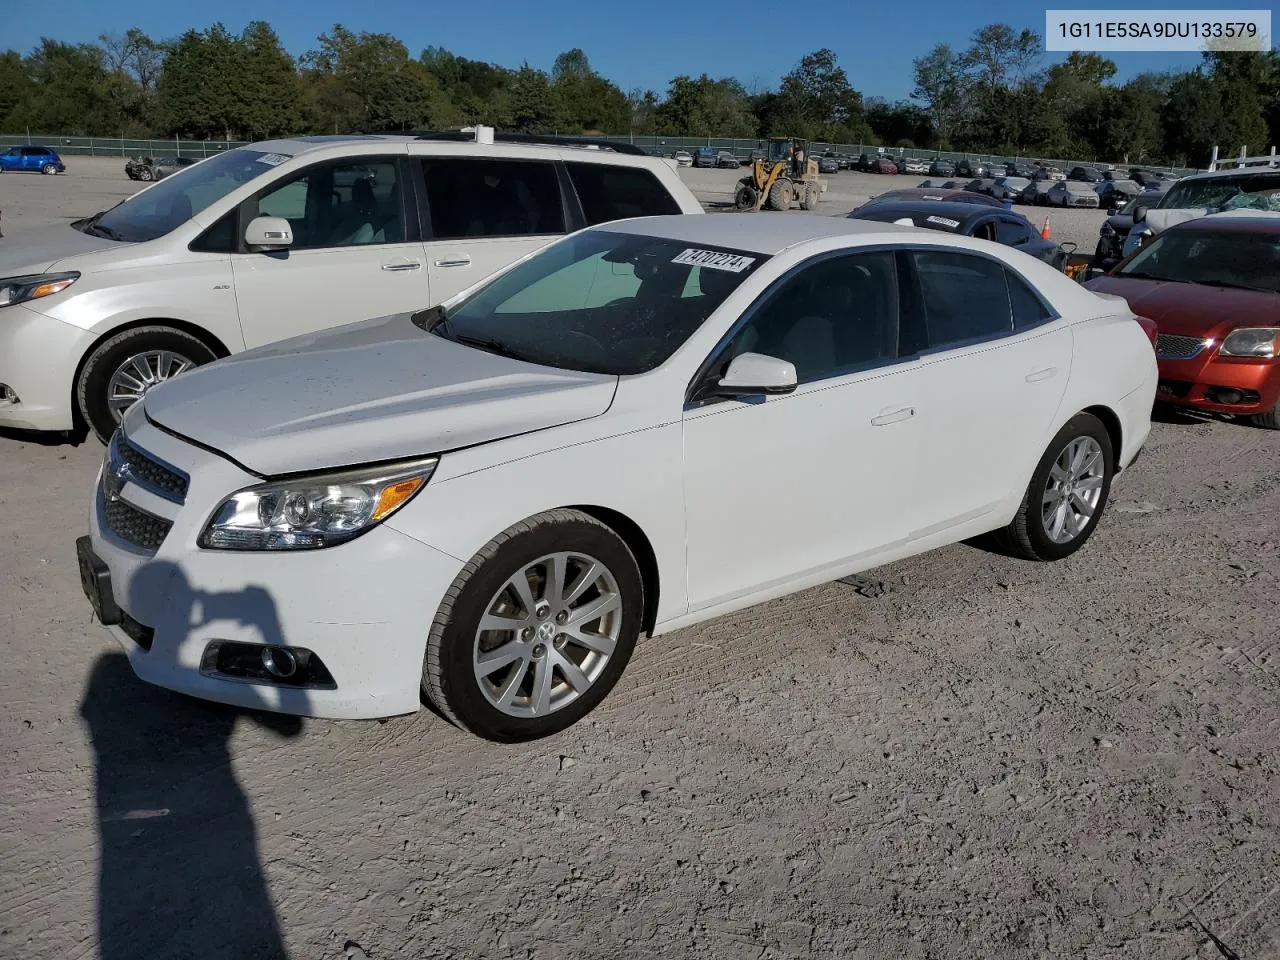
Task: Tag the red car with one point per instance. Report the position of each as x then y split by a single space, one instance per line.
1212 286
884 165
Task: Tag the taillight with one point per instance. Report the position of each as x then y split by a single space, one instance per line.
1149 327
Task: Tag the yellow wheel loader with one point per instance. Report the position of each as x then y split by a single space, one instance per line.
785 176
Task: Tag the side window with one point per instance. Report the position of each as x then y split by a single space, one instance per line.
221 237
1011 233
836 315
964 297
1028 309
610 192
32 152
475 197
350 203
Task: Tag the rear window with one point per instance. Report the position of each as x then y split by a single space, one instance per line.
609 193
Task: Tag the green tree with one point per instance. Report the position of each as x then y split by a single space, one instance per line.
587 101
270 95
68 92
940 85
534 107
16 90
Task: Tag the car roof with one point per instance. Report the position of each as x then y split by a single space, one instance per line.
958 210
970 197
764 233
1233 221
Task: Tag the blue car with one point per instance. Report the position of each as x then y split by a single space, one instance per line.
31 160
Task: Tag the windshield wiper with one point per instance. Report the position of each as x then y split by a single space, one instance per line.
102 231
488 345
1232 286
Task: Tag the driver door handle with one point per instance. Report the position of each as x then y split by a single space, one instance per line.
403 265
890 415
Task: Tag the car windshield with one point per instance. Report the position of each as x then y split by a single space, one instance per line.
180 196
1256 192
599 301
1250 261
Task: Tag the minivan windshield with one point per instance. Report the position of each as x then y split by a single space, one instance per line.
600 302
177 198
1237 191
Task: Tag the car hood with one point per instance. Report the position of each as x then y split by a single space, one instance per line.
1190 309
38 250
377 390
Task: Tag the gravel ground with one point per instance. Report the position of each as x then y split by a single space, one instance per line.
94 183
989 759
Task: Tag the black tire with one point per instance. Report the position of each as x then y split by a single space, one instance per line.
95 375
1269 420
48 169
145 174
1026 536
780 194
448 672
745 197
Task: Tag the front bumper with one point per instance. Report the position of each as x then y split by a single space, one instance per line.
1204 381
364 607
38 360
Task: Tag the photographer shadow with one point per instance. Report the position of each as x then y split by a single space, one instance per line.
179 873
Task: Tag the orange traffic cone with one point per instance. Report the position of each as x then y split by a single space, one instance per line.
1045 232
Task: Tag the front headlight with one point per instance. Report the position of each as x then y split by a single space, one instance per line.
1258 342
21 289
308 513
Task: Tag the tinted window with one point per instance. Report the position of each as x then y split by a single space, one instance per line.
1250 261
836 315
471 197
605 302
1011 232
339 204
1028 309
964 297
615 193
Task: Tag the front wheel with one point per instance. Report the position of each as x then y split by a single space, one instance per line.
1270 420
144 174
536 629
1067 493
745 197
124 367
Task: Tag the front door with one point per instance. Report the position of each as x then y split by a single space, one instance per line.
485 213
350 259
782 486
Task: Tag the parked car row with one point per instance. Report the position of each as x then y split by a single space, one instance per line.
539 312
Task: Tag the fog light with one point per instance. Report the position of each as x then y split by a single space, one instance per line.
280 662
7 395
272 665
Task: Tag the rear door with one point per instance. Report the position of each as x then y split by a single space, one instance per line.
994 372
482 213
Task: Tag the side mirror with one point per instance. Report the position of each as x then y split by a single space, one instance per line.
268 233
754 374
1139 212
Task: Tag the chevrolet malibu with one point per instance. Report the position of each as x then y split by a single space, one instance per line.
644 425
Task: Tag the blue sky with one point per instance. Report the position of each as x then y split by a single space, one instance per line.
635 44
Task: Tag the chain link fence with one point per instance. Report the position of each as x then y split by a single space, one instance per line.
658 145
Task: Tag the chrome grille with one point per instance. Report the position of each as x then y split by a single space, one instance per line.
134 526
1170 346
148 472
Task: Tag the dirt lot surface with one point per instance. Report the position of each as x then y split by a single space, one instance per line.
94 183
989 759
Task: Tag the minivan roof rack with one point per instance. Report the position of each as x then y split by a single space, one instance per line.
469 136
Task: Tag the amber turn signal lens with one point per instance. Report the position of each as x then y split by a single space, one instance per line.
46 289
394 495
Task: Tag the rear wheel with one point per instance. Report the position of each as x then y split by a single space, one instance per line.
1067 493
124 367
49 169
536 630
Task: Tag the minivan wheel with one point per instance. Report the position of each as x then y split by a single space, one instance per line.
536 629
1067 493
126 366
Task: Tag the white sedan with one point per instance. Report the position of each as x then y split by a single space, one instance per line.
644 425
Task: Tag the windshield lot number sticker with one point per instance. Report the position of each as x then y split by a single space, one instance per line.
714 260
274 159
944 221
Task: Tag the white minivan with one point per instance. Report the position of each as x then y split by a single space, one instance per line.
282 238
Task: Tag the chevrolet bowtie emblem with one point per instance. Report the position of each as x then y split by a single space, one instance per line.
114 479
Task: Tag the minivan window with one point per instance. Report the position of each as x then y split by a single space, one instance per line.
177 198
473 197
616 193
600 301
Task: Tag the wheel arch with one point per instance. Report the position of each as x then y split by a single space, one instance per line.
1111 420
200 333
638 543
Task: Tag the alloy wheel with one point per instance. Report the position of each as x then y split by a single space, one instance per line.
138 374
1073 489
